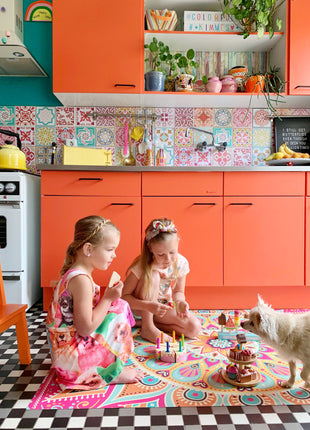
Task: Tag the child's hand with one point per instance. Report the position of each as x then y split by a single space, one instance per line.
113 293
182 309
158 309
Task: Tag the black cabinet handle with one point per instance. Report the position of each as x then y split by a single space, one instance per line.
122 204
241 204
302 86
125 85
90 179
204 204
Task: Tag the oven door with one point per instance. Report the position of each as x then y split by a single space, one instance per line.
11 236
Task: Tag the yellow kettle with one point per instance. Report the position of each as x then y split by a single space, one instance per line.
12 157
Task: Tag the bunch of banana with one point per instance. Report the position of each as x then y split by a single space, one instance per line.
286 152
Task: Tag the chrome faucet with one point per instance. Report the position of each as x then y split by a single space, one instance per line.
201 145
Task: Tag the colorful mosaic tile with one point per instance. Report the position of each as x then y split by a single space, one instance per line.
242 136
261 118
261 137
203 117
106 121
4 137
126 112
242 156
200 136
164 135
83 117
259 154
7 115
26 135
242 117
45 135
222 158
203 158
45 116
181 140
105 136
222 135
223 117
184 117
63 133
183 156
166 117
65 115
85 136
25 116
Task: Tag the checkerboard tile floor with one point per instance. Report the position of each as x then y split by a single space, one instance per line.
18 385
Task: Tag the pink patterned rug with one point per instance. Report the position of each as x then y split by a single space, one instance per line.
195 382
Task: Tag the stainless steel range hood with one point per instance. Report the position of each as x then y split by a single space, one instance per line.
15 58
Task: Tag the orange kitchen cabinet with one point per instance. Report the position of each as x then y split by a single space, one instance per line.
199 223
264 241
299 40
70 195
98 46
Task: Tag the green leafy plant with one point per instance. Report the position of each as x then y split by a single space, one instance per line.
186 62
158 54
253 13
270 86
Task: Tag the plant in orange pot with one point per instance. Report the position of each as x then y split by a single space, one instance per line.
268 84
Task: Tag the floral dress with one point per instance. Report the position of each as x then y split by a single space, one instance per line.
93 361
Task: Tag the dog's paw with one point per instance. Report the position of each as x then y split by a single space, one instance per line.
286 384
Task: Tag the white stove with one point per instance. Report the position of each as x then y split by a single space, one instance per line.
20 236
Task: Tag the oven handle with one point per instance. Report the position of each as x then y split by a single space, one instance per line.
11 277
10 203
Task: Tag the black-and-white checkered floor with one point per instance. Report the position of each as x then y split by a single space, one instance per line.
18 385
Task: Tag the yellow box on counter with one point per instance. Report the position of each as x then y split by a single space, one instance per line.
73 155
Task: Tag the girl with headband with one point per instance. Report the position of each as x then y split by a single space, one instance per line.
90 337
155 285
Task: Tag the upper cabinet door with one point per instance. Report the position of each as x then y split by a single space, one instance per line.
299 40
98 46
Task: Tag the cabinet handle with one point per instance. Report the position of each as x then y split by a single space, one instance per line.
122 204
204 204
241 204
90 179
302 86
125 85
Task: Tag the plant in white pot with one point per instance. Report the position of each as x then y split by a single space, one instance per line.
186 65
157 55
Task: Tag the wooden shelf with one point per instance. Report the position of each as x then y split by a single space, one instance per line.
214 42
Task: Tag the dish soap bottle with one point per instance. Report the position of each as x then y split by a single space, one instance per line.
161 157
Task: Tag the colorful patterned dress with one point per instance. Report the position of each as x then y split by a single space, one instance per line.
93 361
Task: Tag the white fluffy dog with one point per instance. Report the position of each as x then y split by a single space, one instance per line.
287 333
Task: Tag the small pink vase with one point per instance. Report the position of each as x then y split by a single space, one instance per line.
229 84
214 85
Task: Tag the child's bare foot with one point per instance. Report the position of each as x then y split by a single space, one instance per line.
128 376
152 333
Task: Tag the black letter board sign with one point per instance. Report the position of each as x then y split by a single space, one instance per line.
295 131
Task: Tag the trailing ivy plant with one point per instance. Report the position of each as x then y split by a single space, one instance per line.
253 15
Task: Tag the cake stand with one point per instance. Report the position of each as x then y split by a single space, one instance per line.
240 365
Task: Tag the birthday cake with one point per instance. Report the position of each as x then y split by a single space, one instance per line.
171 352
247 374
241 354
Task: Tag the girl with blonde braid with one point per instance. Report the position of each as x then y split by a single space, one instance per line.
90 338
155 285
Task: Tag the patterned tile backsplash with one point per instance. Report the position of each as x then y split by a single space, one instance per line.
247 133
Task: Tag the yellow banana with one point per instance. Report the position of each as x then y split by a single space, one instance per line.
288 150
279 155
282 148
270 157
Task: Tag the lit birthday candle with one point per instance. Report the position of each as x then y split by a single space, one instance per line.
180 345
167 345
182 339
158 341
173 336
162 337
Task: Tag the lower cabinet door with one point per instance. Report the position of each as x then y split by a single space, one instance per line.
60 216
263 241
199 224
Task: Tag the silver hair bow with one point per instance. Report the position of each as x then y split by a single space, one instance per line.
159 227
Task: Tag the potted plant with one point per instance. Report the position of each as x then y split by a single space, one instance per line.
186 65
253 15
155 77
269 84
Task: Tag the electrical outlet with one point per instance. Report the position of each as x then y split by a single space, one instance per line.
71 142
